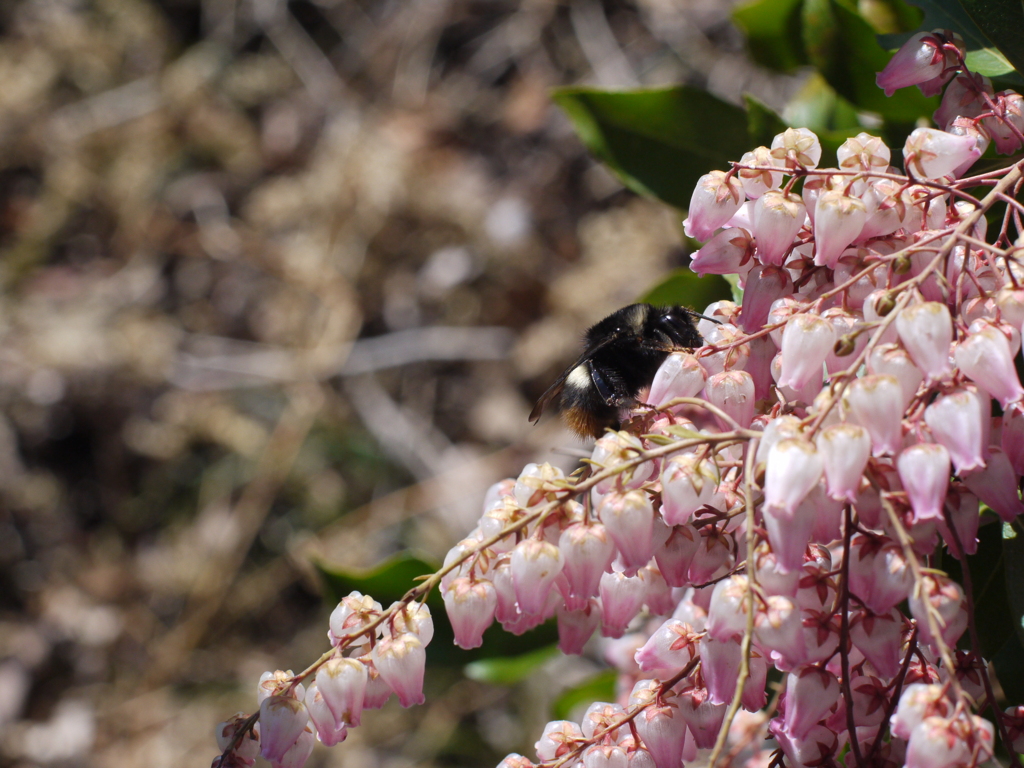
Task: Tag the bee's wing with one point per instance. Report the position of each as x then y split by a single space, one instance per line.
552 392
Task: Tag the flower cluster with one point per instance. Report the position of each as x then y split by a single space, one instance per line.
774 500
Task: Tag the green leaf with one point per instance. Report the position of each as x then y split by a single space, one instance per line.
682 287
1009 666
1002 22
386 582
511 669
601 687
658 141
988 62
772 29
763 123
1013 557
843 48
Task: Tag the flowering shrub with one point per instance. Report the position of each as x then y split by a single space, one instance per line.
778 500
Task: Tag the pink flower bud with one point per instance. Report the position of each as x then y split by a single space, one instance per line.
733 392
703 717
715 199
470 604
727 615
924 472
576 626
985 358
352 613
679 376
845 450
342 684
764 285
672 646
806 343
616 448
926 330
531 487
778 217
796 148
604 756
918 60
413 618
660 725
893 360
687 485
629 519
535 566
838 221
947 599
917 702
588 551
599 717
298 753
676 554
863 152
962 99
401 660
1012 437
560 737
779 627
810 694
996 485
282 720
621 599
876 402
757 182
328 729
727 253
956 421
1007 124
794 467
932 154
878 637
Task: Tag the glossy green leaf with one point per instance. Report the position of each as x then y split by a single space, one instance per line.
657 141
763 123
1009 666
386 582
682 287
510 670
1002 22
772 29
988 62
845 51
601 687
988 578
1013 557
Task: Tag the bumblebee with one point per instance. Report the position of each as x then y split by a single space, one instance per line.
621 356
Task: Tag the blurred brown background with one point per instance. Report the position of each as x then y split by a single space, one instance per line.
280 283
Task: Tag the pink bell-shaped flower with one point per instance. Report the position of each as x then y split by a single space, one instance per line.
810 693
918 60
599 717
720 665
956 422
794 466
878 636
778 217
758 181
985 358
576 626
806 343
672 646
328 729
996 485
946 598
621 599
772 579
779 627
816 748
688 484
1007 124
727 616
796 148
712 554
926 330
282 720
535 566
838 221
917 702
733 392
1012 437
727 253
559 738
470 604
893 360
936 743
351 614
931 154
715 199
401 660
679 376
342 684
863 152
660 725
247 748
876 403
299 752
924 473
629 519
377 690
789 533
764 285
676 554
588 551
845 450
703 717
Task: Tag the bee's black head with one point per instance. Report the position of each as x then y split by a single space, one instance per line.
675 325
